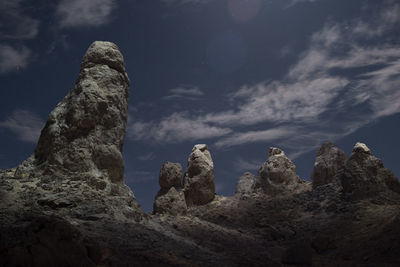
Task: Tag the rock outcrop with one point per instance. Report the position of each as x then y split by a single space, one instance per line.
277 175
245 185
85 132
329 161
170 175
365 175
199 186
170 199
77 168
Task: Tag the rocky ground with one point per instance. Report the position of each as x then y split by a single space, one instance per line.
67 205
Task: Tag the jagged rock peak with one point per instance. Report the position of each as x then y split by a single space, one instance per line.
170 175
361 148
365 176
245 185
277 175
86 131
274 151
199 185
329 161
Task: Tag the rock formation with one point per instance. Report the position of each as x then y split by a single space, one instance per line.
199 183
170 175
277 175
245 185
85 132
77 167
67 205
365 175
330 159
170 199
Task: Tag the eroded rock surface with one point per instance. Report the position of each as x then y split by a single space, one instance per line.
86 131
245 185
170 175
171 198
277 175
77 168
199 183
365 175
170 201
330 159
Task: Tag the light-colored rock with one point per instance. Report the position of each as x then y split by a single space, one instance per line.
86 131
199 186
277 175
365 175
330 159
245 185
170 201
170 175
361 148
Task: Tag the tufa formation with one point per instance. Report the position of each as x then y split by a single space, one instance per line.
67 205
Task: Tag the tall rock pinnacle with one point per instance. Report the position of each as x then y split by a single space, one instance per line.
277 175
86 131
199 185
329 161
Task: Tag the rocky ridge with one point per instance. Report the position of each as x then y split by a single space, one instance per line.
67 205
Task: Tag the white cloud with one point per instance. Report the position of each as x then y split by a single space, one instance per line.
12 59
186 92
14 23
25 124
255 136
77 13
346 78
175 128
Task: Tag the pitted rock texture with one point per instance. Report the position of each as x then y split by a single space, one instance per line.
198 182
77 168
86 131
170 175
245 185
170 201
277 175
365 175
330 159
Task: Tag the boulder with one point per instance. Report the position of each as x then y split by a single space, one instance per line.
170 175
365 175
329 161
170 201
277 175
86 130
245 185
199 186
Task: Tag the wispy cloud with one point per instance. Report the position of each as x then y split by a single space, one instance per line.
247 165
140 176
346 78
15 24
25 124
185 92
12 59
183 2
175 128
78 13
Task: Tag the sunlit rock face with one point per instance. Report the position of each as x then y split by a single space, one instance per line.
170 198
86 130
330 159
277 175
365 175
199 183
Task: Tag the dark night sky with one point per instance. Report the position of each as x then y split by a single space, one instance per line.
238 75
